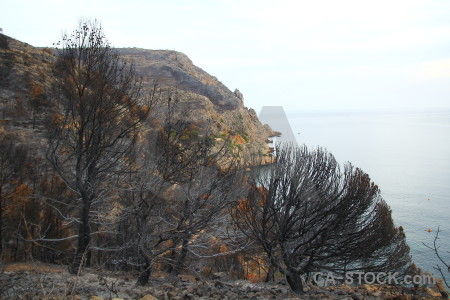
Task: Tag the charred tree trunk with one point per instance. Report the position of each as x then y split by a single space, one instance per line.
270 274
145 275
84 239
180 261
295 281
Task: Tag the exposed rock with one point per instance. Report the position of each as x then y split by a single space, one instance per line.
238 94
400 297
219 275
172 68
187 278
148 297
26 80
433 293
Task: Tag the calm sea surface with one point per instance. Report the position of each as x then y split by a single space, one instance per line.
406 154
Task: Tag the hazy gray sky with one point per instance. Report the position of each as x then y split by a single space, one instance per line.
303 55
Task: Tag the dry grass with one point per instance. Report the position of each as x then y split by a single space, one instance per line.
34 266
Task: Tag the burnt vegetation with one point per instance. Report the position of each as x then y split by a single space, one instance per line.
99 114
308 216
125 183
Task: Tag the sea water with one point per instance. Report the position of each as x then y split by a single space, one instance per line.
406 154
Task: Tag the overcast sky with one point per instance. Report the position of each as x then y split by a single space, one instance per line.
303 55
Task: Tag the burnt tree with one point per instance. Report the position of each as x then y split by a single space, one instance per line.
177 203
309 216
97 121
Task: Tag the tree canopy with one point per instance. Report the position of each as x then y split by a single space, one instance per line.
309 216
99 114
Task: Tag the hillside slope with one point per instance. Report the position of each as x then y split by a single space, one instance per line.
203 97
26 80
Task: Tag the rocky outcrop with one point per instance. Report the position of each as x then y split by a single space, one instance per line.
203 98
26 79
238 94
172 68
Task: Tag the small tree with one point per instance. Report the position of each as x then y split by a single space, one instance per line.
308 216
175 206
443 266
97 122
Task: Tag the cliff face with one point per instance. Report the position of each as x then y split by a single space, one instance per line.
26 79
203 97
171 68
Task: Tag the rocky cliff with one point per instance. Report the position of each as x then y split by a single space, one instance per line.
203 97
171 68
26 78
26 93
